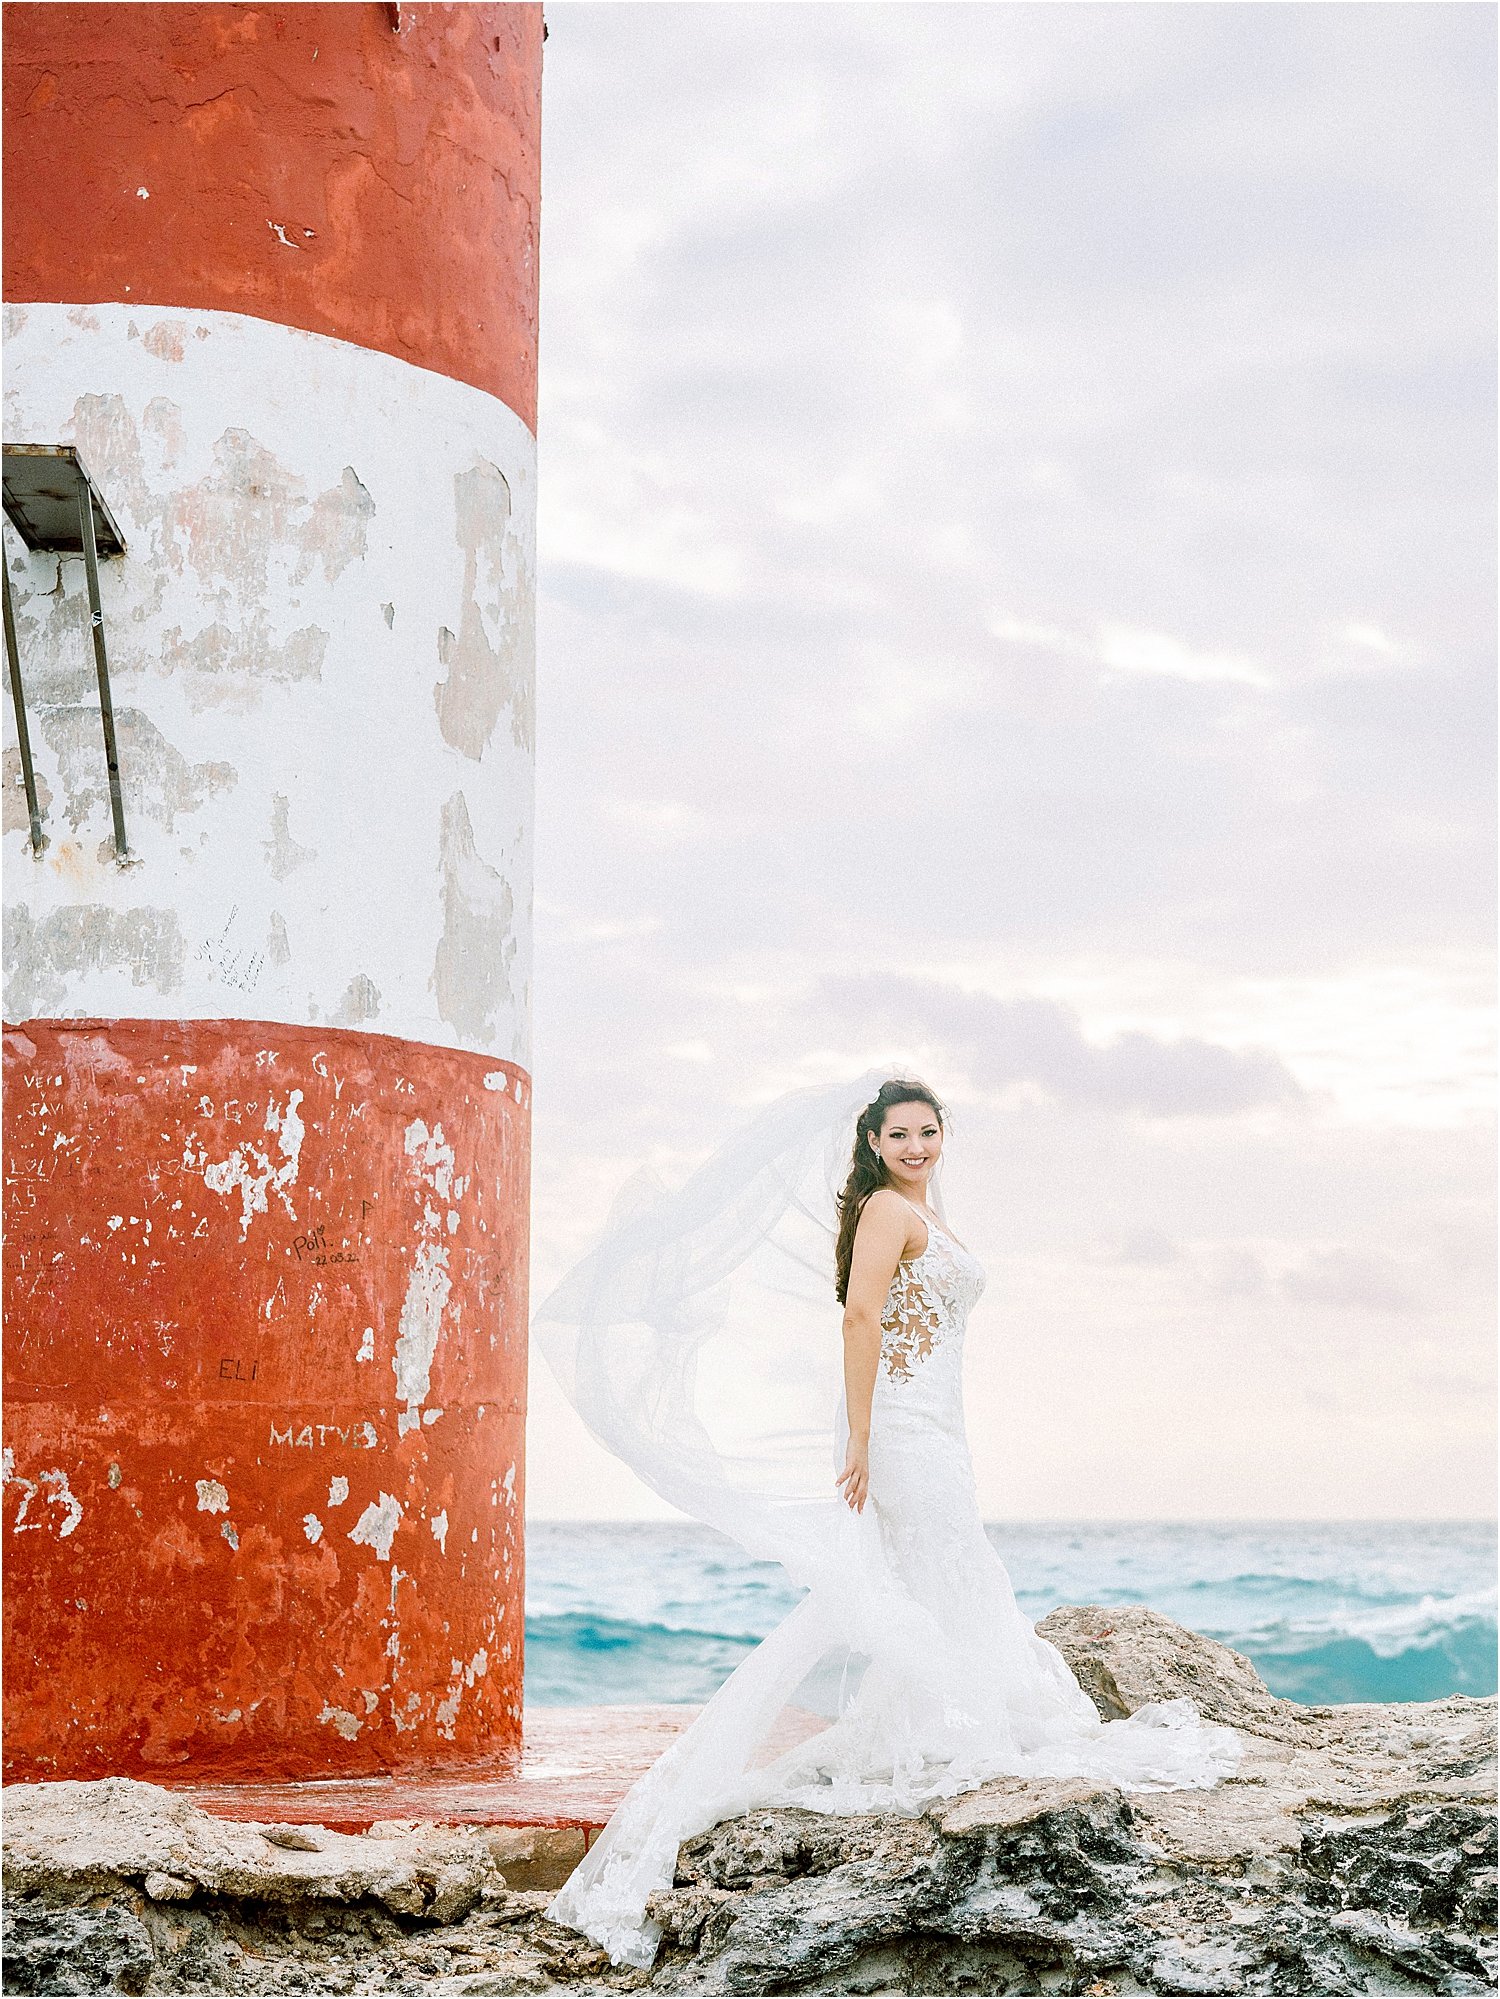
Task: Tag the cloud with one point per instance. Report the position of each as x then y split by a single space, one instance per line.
1002 1042
1365 1280
1117 648
1148 1247
1237 1273
1124 650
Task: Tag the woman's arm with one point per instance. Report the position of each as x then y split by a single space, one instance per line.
879 1240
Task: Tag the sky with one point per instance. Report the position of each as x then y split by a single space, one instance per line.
1016 601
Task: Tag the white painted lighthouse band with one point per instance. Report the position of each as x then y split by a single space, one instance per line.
270 271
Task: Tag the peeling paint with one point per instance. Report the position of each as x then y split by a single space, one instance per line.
313 1527
212 1497
421 1321
167 340
376 1526
265 550
283 854
432 1156
487 660
338 1491
254 1183
348 1725
439 1525
162 420
231 523
228 666
56 1494
478 944
429 1283
146 945
16 816
361 1002
337 530
159 780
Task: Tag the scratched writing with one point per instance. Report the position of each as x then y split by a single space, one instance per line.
230 962
312 1247
359 1436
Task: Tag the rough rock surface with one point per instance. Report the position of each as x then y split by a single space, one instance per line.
1353 1852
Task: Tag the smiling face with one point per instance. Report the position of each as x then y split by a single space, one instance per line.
910 1141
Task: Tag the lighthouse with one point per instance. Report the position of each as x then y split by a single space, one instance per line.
271 288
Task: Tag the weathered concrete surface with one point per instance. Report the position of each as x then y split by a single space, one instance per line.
576 1765
1353 1852
321 642
367 172
265 1374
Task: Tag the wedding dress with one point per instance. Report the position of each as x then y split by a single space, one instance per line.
907 1673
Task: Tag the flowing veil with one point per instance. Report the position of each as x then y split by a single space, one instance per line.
700 1339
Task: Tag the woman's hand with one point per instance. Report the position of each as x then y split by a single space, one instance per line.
855 1477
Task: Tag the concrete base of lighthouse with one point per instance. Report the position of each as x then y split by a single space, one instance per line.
577 1765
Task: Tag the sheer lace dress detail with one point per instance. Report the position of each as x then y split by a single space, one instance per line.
911 1325
929 1295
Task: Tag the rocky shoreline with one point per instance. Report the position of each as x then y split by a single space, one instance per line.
1354 1852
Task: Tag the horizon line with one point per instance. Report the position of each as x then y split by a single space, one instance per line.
1084 1520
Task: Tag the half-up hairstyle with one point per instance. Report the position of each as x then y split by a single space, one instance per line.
867 1168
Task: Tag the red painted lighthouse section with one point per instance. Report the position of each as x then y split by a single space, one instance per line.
243 1440
272 270
303 163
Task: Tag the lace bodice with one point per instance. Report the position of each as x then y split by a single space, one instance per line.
922 1328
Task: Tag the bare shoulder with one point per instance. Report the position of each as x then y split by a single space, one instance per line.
887 1213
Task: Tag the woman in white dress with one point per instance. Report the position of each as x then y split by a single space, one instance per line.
694 1340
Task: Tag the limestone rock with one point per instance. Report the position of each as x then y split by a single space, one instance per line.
75 1950
1353 1851
78 1836
1126 1655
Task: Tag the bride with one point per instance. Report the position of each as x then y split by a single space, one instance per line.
694 1340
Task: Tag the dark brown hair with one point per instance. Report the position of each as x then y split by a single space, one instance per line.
867 1168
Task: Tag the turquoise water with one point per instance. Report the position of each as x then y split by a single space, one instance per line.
1372 1611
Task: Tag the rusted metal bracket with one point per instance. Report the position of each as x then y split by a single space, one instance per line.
55 506
18 701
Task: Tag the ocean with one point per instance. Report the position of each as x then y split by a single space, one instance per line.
1368 1611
